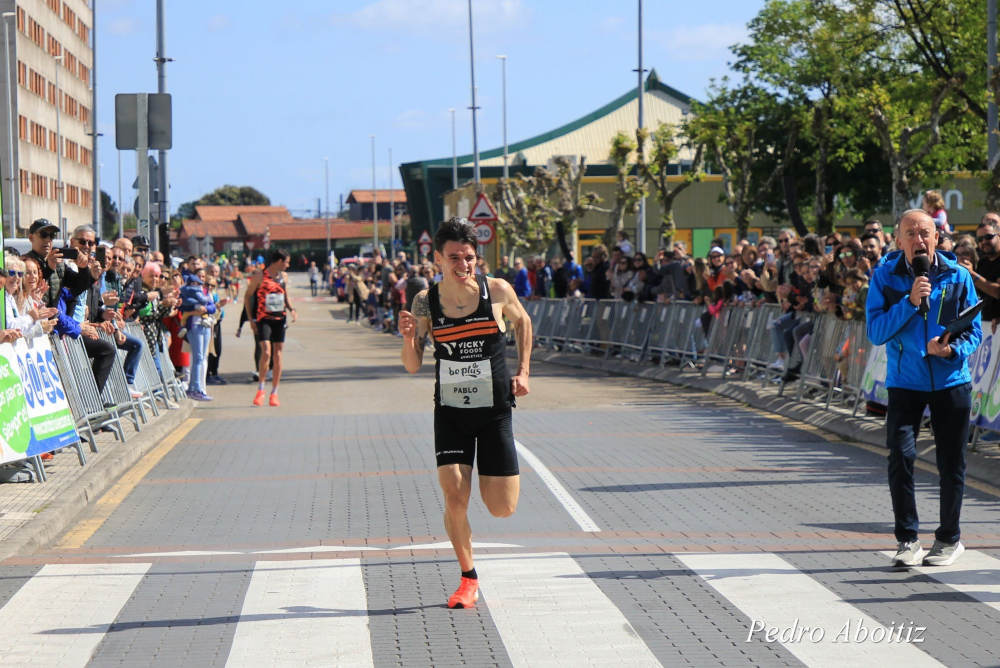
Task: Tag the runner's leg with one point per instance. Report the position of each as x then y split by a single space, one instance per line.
276 349
456 484
264 361
500 493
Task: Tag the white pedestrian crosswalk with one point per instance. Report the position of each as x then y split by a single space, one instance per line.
60 615
556 613
304 613
786 605
545 607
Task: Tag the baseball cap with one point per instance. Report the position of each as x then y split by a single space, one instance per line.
716 249
139 240
41 224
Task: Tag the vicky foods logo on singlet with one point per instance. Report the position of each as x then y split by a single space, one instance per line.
471 349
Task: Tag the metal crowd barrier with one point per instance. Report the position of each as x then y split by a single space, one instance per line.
117 393
737 341
149 379
94 414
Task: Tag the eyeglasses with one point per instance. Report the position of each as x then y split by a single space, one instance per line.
985 237
12 273
85 242
847 254
47 234
782 241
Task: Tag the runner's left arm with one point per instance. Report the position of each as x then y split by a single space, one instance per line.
502 292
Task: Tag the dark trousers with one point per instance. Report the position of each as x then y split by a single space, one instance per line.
103 355
213 360
950 419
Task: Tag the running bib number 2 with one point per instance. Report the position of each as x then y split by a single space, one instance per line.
466 384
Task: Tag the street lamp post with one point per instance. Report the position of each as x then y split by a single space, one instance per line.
10 124
326 176
59 181
474 107
454 155
640 231
374 204
392 210
121 225
503 78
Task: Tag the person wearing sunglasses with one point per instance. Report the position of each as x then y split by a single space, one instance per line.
986 274
55 272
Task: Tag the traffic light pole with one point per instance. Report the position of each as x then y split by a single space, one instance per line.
161 87
142 170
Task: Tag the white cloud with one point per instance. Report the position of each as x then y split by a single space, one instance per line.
218 22
411 119
123 26
433 14
702 42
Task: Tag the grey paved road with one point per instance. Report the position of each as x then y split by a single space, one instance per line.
657 526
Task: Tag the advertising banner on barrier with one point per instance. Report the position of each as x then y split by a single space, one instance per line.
873 384
984 366
15 424
49 418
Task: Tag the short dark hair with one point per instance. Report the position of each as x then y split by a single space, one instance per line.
277 255
455 229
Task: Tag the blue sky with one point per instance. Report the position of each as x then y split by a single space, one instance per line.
264 91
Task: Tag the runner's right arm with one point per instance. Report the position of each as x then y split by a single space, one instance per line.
414 326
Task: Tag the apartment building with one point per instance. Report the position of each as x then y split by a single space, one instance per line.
48 44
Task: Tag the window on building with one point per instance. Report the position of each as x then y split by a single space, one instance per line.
22 73
53 5
25 182
86 199
22 128
20 20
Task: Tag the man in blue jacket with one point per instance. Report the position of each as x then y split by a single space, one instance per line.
926 368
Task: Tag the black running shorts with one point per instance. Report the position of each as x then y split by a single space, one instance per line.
271 330
460 434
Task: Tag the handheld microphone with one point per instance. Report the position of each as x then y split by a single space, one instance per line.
921 265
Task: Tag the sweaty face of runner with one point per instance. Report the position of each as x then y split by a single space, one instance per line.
458 259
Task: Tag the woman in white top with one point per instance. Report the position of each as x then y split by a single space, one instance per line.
24 313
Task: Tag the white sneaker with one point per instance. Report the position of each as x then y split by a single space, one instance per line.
944 554
777 365
908 554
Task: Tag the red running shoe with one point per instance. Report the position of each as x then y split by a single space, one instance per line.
258 399
274 400
466 595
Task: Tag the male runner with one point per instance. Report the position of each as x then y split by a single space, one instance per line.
268 320
473 391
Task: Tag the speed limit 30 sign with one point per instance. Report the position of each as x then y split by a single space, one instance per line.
484 232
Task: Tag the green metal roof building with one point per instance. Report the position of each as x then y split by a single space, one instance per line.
590 136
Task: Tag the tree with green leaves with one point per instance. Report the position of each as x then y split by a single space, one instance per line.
524 219
731 127
655 172
629 186
796 52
